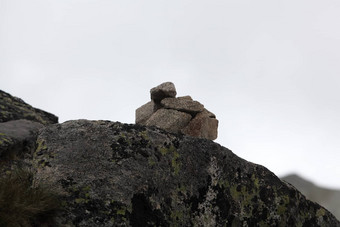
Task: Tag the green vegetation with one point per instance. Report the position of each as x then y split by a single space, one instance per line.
21 204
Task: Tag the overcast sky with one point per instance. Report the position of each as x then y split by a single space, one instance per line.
269 70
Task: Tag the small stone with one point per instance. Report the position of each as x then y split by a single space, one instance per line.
144 112
162 91
169 120
182 104
203 126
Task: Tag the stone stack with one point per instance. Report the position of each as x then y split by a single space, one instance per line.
178 115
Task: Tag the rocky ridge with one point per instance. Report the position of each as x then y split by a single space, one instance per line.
113 174
13 108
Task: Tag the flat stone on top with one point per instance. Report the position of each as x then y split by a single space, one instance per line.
182 104
162 91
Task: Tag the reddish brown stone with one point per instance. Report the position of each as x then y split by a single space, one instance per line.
202 126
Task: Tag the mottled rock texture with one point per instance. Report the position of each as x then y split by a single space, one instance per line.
18 138
181 114
182 104
113 174
169 120
13 108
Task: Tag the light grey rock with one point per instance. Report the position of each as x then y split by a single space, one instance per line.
144 112
162 91
202 126
183 105
169 120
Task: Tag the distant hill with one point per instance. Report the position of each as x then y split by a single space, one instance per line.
328 198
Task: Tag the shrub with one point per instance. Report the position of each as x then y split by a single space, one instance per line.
21 204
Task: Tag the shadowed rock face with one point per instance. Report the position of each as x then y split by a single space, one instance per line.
113 174
12 108
17 138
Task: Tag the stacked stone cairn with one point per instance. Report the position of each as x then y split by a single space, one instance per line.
177 115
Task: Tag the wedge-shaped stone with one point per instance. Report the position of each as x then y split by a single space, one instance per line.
144 112
169 120
182 104
203 125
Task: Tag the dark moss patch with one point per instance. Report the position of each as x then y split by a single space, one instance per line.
143 214
22 204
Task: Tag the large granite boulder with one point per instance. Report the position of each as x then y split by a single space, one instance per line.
13 108
180 115
113 174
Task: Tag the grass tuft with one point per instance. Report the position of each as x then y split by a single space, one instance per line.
21 204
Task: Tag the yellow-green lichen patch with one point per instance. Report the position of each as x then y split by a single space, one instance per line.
223 184
41 145
282 207
4 139
255 180
151 161
144 135
320 212
80 200
171 151
121 212
176 165
82 194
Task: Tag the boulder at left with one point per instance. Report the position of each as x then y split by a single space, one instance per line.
18 138
13 108
19 126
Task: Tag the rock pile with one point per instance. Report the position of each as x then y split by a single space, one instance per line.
178 115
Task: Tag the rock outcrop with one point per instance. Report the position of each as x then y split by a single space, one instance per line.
178 115
113 174
12 108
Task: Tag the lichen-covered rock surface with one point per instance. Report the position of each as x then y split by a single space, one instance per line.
13 108
113 174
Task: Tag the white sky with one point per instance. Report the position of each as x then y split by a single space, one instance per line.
268 69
